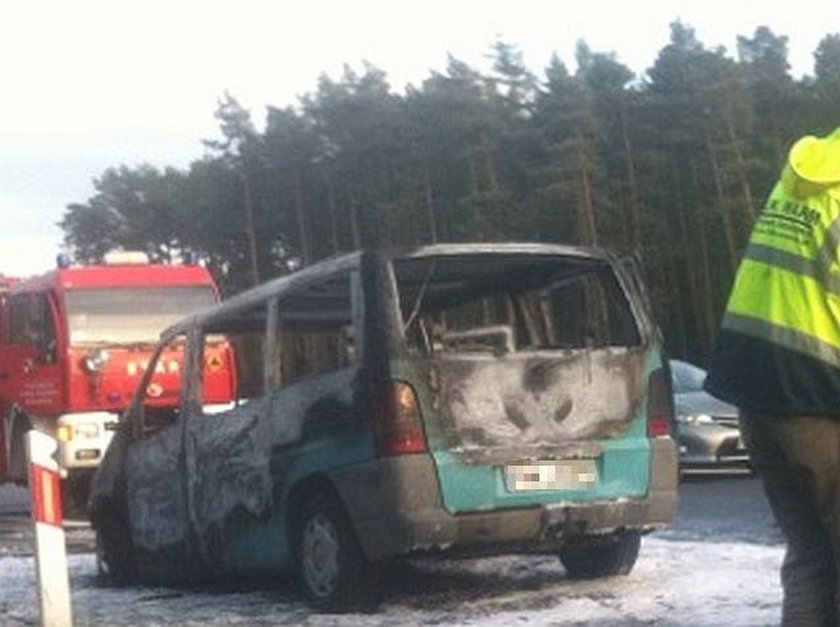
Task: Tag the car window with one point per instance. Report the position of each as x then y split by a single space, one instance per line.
687 377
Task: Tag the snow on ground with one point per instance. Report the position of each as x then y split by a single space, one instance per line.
675 582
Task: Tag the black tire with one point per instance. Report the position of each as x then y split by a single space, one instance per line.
17 470
74 494
601 557
333 570
114 549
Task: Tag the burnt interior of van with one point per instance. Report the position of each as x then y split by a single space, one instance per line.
504 304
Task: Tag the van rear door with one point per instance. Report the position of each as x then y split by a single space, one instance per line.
531 371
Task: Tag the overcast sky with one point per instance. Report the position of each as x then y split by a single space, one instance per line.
89 84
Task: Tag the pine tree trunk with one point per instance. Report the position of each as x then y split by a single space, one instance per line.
332 210
676 289
430 202
354 224
687 247
633 199
778 140
623 210
726 219
489 165
250 231
740 165
303 236
473 172
478 224
588 231
706 292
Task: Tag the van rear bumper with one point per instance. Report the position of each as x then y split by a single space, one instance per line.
396 509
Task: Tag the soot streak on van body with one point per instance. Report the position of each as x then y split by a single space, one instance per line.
227 462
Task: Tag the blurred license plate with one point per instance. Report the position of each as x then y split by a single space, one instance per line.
568 474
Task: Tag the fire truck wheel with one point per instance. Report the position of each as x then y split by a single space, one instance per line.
17 453
74 494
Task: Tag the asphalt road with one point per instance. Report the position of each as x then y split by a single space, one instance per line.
717 564
724 508
714 508
16 527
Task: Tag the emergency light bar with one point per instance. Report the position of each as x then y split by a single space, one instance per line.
126 258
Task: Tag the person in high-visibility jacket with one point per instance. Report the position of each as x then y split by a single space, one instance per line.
777 358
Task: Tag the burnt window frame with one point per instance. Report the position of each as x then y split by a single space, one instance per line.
619 294
352 277
271 303
238 321
140 427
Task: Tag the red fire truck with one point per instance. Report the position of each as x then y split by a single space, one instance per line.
75 341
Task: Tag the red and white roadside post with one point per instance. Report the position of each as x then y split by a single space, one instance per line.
47 516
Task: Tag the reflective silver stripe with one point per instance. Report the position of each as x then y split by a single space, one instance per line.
828 251
796 264
782 336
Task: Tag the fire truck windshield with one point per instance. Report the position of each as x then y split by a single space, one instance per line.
130 315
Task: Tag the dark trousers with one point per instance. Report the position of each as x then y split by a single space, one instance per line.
798 459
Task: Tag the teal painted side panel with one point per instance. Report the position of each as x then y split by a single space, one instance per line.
258 546
288 466
262 545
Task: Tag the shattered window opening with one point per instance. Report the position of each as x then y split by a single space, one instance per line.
161 388
242 352
510 304
314 333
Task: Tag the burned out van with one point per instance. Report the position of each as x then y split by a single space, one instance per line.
454 399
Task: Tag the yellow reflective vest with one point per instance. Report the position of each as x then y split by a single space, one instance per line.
779 344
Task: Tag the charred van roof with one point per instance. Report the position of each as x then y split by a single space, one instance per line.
525 248
350 261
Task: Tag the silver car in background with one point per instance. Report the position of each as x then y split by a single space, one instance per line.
707 428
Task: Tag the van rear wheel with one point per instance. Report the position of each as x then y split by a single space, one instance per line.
601 557
333 569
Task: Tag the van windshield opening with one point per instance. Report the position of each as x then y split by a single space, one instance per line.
501 304
130 315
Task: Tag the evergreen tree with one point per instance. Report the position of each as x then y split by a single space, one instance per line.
673 164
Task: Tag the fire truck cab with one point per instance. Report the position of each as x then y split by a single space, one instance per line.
74 343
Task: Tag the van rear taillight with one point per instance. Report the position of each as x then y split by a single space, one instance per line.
659 406
397 422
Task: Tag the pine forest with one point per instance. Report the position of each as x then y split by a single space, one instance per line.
672 165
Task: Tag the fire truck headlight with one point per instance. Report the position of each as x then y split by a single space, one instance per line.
87 430
96 360
65 433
